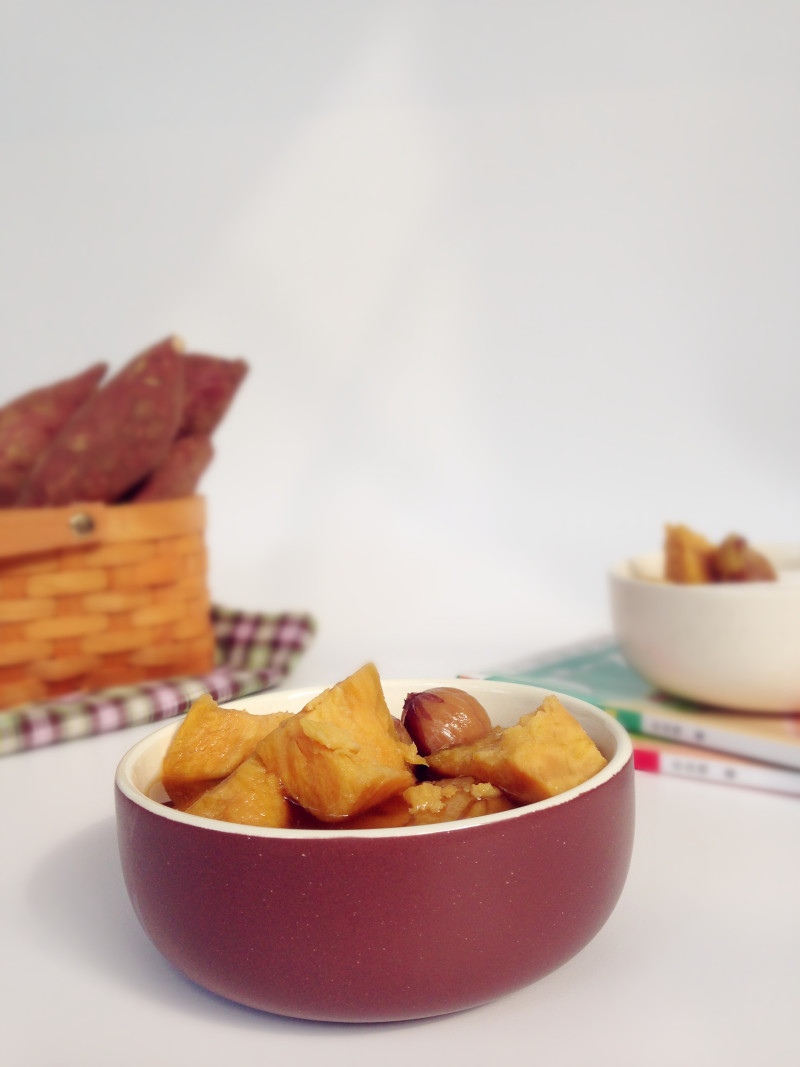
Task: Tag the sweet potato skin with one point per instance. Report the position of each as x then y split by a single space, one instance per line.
30 422
117 437
211 383
180 472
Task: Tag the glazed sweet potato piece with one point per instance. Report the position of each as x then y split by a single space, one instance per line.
433 802
688 556
209 745
117 437
29 423
546 753
457 798
249 795
341 754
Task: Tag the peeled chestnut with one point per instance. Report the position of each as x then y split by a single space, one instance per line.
442 717
735 560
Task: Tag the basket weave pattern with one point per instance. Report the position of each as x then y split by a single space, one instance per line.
130 607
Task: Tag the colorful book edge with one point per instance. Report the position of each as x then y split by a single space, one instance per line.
657 756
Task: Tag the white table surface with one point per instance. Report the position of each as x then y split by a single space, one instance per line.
697 965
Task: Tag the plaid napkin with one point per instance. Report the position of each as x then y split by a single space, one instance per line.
254 652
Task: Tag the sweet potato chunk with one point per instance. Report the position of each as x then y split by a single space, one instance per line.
341 754
208 746
457 798
433 802
250 795
546 753
688 556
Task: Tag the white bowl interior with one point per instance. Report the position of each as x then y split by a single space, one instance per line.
505 703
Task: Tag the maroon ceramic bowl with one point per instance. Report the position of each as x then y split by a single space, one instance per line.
380 925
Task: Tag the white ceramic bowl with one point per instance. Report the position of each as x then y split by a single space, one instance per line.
732 645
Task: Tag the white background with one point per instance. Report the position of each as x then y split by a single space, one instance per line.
518 283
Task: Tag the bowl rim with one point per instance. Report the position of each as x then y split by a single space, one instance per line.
616 763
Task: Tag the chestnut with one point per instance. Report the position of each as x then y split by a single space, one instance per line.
442 717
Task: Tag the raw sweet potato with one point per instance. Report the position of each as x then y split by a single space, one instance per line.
211 384
118 437
30 422
181 470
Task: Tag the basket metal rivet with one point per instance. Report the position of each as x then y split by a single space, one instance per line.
81 524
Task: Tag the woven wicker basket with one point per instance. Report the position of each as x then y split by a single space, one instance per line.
94 596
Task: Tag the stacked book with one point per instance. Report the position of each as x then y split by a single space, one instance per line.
671 736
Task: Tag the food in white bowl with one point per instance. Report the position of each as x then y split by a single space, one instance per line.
691 559
727 644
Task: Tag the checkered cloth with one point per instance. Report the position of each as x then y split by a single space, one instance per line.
254 652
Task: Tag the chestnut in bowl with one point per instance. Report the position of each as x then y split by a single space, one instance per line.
387 924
